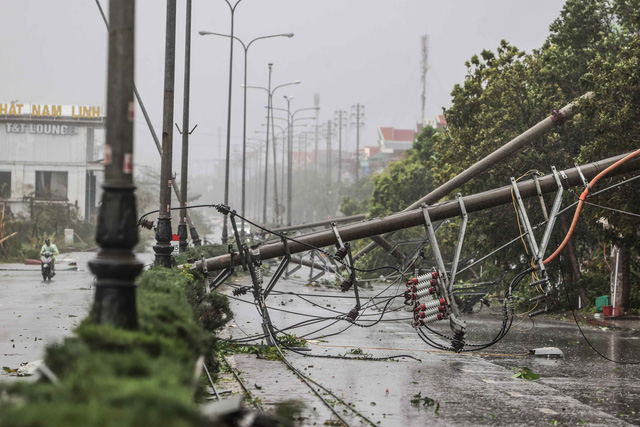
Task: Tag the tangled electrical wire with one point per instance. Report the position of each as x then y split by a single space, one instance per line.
360 316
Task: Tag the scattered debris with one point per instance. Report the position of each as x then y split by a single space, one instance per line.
417 400
525 374
548 351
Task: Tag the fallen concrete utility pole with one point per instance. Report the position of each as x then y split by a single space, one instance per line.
444 210
353 218
316 265
557 118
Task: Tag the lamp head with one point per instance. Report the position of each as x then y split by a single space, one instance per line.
288 35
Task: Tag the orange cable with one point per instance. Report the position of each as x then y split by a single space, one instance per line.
583 196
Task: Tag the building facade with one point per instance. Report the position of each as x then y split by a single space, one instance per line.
50 154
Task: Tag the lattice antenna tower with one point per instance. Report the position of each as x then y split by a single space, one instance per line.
425 67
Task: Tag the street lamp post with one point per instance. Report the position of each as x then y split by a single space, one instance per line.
244 113
115 265
287 150
329 153
289 158
340 114
290 120
270 93
357 112
266 155
282 132
226 170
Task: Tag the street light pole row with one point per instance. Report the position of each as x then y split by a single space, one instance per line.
271 133
244 114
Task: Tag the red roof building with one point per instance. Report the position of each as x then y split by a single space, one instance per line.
395 141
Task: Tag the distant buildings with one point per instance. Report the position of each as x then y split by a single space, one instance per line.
50 154
392 144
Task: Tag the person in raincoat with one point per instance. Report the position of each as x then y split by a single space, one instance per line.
50 247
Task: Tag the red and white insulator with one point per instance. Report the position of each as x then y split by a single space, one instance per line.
422 294
423 278
430 319
430 304
432 289
425 292
421 286
430 311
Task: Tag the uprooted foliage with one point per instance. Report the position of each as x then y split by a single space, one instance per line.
110 376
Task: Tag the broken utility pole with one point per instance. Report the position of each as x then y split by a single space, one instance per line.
413 218
556 119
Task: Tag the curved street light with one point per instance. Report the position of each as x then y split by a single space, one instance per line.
290 121
270 93
244 114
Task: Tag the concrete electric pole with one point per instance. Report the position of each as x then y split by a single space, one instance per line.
164 234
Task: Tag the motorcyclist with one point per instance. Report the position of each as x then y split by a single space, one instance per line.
50 247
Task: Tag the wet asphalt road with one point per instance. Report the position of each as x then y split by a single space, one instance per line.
580 389
34 313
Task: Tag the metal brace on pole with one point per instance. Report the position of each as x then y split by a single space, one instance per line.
463 229
313 278
241 246
540 198
351 281
557 202
253 262
436 251
584 180
539 251
339 243
524 219
457 325
288 272
223 275
281 269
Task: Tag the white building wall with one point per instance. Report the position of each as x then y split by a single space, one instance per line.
23 154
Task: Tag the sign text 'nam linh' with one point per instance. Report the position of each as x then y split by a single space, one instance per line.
44 110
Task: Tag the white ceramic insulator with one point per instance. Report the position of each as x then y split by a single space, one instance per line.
432 318
423 286
432 303
423 277
430 311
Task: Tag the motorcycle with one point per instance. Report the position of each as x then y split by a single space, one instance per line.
47 260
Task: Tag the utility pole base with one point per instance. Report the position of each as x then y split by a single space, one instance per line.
182 232
195 238
163 246
115 299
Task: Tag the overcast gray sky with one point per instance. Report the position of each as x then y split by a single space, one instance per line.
348 51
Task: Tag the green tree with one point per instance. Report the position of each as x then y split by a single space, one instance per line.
591 46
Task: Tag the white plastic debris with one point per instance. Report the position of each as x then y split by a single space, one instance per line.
546 352
27 369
